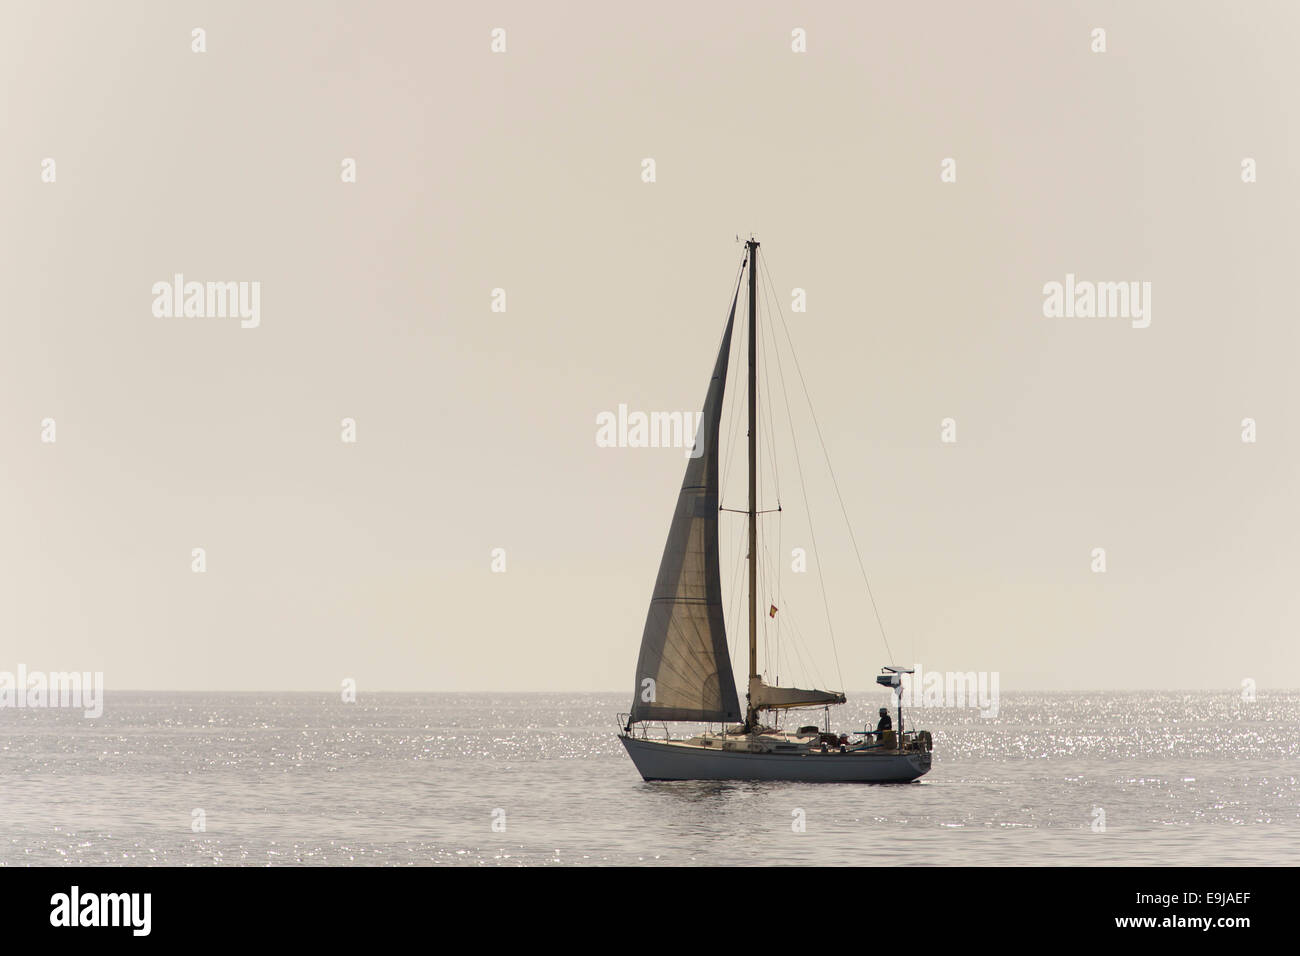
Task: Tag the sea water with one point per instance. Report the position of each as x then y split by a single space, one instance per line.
504 779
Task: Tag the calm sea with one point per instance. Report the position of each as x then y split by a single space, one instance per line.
401 779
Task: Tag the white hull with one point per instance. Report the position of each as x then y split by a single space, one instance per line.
665 760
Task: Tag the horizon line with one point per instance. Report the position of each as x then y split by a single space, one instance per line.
332 691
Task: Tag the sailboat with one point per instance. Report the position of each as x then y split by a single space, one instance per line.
684 673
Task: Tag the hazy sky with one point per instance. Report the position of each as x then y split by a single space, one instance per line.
476 429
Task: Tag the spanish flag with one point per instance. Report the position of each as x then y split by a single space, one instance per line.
772 612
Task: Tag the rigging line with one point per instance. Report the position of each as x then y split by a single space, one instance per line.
809 668
803 488
806 668
771 581
776 470
857 552
724 449
758 492
767 572
774 589
739 545
735 417
732 414
771 445
780 551
767 567
766 437
796 660
764 574
819 679
730 400
788 666
734 605
767 646
757 466
735 298
775 660
735 594
771 576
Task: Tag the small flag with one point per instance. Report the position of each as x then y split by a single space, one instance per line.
772 612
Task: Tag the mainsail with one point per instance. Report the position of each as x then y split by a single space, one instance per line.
684 671
765 696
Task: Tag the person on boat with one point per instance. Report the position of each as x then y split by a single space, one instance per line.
885 723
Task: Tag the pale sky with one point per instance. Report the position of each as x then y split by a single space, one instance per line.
476 429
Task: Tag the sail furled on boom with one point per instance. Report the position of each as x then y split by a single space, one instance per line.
766 697
684 670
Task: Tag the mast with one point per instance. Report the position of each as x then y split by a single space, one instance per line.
750 722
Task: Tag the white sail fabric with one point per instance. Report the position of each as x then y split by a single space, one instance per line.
764 696
684 670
